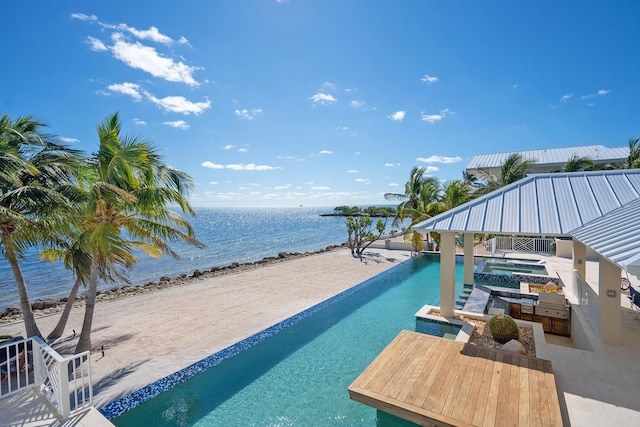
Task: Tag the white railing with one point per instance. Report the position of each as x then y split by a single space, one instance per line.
588 299
522 244
64 382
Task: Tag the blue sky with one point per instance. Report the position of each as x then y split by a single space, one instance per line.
325 102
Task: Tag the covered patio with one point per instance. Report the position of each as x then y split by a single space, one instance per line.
595 375
596 209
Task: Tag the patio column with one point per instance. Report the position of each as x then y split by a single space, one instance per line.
609 292
579 259
447 274
468 258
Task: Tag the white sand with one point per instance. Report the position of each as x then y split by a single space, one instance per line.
147 337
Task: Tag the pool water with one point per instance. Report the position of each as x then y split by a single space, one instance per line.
511 269
300 375
438 328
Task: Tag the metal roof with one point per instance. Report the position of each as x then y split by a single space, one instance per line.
601 209
542 204
552 157
615 236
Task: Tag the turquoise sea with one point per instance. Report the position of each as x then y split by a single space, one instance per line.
230 235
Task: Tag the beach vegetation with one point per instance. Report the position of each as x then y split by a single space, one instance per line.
37 176
513 169
578 164
423 198
633 161
362 232
130 201
375 211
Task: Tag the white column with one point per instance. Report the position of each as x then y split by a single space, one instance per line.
609 290
468 258
579 258
447 274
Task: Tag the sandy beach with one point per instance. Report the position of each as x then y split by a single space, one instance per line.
149 336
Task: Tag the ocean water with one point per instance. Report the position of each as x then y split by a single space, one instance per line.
230 235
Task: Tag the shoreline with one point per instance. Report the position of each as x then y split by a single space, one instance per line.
52 305
151 335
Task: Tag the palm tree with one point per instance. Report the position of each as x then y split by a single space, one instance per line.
577 164
129 192
454 193
513 169
633 161
35 174
420 191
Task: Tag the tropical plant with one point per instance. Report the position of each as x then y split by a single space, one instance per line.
513 169
420 192
503 328
578 164
360 230
35 179
633 161
129 195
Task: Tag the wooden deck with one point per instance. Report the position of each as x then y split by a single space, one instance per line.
434 381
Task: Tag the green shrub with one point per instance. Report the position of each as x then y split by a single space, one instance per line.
503 328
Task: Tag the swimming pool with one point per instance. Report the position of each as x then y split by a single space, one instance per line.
300 375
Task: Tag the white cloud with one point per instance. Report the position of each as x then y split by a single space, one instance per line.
67 140
246 114
152 34
139 122
363 180
145 58
344 128
398 116
388 164
228 147
323 98
242 150
328 86
179 104
394 184
238 167
428 79
439 159
430 169
212 165
432 118
248 167
352 171
320 188
96 44
566 97
601 92
131 89
325 152
282 187
179 124
357 104
213 183
83 17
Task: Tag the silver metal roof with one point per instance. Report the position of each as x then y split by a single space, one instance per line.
542 204
615 236
551 157
601 209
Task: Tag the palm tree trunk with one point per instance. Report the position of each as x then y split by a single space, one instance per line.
84 342
30 326
62 323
